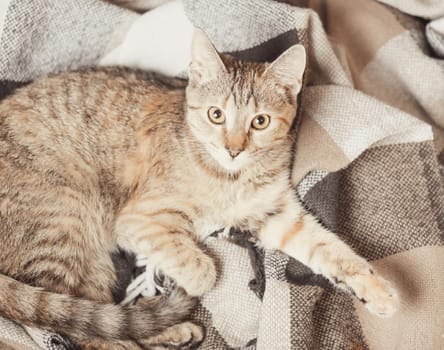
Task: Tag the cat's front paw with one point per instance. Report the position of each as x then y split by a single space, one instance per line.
379 297
377 294
197 276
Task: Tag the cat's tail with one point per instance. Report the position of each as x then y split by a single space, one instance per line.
82 319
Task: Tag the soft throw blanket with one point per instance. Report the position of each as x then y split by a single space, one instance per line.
367 159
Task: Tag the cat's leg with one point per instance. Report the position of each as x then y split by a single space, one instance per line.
300 235
166 235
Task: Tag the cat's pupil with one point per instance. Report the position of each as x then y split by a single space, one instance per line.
217 114
260 120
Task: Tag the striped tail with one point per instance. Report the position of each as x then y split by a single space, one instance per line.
82 319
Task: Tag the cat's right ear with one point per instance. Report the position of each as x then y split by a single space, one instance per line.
206 63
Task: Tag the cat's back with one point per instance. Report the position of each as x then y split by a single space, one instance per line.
94 97
84 114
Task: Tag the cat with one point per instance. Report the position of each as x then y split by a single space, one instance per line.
107 157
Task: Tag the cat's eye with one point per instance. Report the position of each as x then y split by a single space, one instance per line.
216 115
261 121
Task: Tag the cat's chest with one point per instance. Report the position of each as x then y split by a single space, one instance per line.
241 206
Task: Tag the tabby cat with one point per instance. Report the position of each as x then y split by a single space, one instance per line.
108 157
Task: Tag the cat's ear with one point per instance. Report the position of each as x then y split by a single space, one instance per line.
206 63
288 68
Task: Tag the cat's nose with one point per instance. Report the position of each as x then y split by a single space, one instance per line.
234 152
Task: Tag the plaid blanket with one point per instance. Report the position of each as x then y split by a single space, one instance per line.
368 159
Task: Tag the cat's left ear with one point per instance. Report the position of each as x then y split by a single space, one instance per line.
206 63
288 68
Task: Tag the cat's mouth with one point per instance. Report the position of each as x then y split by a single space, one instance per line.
222 159
227 162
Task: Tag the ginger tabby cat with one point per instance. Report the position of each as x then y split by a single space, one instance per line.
101 158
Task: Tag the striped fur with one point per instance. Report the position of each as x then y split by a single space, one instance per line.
94 159
82 319
63 144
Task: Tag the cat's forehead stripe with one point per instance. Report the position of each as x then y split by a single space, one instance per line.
242 87
245 84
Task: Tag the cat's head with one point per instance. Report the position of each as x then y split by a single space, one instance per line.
238 111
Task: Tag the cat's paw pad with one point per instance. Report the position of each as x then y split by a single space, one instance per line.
184 336
197 276
377 294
